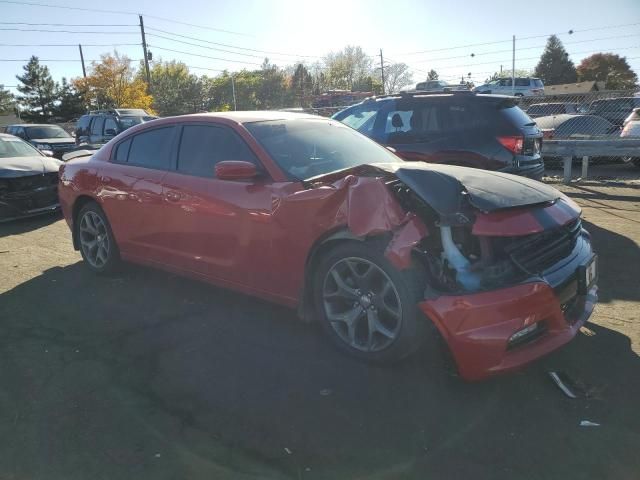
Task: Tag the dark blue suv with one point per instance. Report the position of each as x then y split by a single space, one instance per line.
458 128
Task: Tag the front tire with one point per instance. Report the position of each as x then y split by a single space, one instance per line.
97 244
366 306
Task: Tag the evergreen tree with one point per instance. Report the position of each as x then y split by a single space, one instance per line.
39 91
71 104
6 101
555 67
301 84
432 75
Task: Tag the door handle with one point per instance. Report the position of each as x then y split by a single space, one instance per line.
173 196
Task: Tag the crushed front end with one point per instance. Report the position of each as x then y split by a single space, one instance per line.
507 281
28 195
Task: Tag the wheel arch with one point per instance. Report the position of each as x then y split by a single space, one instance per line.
79 202
323 244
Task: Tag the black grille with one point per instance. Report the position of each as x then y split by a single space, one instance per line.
535 253
62 146
31 182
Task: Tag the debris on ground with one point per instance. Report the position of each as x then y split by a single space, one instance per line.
587 423
562 381
289 452
325 392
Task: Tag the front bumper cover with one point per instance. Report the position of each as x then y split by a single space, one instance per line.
478 326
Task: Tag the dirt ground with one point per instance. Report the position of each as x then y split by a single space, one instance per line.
145 375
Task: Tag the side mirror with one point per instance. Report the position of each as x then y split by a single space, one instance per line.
391 149
110 132
236 170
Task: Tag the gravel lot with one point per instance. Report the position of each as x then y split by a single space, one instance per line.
145 375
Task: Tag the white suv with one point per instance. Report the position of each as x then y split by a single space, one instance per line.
525 87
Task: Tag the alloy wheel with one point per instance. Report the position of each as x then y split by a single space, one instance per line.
362 304
94 239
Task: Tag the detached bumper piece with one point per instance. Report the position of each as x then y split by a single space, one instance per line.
28 196
502 330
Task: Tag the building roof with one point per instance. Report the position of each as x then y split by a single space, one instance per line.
574 88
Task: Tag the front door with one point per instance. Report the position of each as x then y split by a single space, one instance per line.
213 226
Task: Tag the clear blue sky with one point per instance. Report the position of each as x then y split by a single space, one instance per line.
312 28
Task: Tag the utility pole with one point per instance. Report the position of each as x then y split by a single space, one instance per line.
233 90
500 70
513 68
144 51
382 71
84 70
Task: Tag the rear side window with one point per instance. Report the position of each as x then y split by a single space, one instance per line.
122 151
202 146
151 149
110 123
96 126
537 83
522 82
516 116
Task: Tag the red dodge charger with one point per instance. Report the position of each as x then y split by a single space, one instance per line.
306 212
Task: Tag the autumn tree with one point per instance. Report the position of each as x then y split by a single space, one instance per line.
555 67
396 76
112 83
609 68
38 91
6 101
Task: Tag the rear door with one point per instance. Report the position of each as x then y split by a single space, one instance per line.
95 134
218 228
131 189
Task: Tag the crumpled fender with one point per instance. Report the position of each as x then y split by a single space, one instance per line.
371 209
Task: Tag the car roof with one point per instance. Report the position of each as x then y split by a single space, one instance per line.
255 116
553 121
7 135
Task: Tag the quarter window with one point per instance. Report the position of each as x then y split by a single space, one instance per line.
151 149
122 151
203 146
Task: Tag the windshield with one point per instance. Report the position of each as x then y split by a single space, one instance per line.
52 131
128 122
308 148
14 147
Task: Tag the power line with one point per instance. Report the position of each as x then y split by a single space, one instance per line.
203 56
69 44
233 46
69 24
522 38
120 12
204 46
64 31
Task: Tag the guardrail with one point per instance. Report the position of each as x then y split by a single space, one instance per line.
569 149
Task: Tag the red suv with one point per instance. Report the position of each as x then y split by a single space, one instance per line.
306 212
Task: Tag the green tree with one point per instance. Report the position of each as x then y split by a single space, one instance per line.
520 72
71 104
396 76
39 91
347 67
301 85
609 68
555 67
175 90
432 75
6 101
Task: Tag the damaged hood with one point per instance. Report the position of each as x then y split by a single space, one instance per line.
14 167
447 188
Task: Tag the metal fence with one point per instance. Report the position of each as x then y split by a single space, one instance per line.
586 116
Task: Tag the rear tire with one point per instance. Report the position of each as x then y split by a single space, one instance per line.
97 244
366 306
